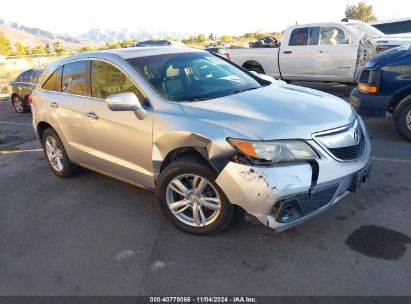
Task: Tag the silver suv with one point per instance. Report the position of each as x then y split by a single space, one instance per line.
201 132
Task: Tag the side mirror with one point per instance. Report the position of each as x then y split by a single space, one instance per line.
126 102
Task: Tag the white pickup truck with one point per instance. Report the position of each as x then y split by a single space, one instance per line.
333 51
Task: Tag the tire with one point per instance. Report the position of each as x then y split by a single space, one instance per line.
63 168
19 105
402 118
257 69
209 221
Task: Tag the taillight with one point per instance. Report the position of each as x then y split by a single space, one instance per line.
30 99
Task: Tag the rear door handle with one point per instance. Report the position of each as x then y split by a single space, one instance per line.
54 105
92 115
287 52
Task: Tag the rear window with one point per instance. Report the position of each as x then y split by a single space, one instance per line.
299 37
26 76
75 78
54 81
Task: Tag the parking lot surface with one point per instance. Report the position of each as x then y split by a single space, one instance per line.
94 235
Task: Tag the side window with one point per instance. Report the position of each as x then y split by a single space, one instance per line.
314 35
26 76
54 81
107 80
299 37
331 35
75 78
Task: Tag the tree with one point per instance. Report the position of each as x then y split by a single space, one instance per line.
39 49
21 49
85 49
58 48
126 43
5 45
201 38
226 38
361 11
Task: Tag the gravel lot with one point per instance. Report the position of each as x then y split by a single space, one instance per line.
93 235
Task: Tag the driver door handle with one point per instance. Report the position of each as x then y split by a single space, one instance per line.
54 105
92 115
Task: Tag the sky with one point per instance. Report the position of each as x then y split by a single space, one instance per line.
233 17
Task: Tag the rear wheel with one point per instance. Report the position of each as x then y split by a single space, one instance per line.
19 105
402 118
257 69
56 155
190 198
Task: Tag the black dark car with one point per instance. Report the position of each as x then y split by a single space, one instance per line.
385 86
22 87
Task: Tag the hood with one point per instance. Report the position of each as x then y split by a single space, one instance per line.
275 112
388 56
401 35
398 39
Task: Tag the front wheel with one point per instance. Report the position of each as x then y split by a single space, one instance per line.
402 118
190 198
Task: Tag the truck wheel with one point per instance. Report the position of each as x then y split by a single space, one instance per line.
190 198
402 118
257 69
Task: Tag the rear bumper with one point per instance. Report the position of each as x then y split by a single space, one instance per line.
369 105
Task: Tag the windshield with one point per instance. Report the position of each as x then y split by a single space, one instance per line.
365 30
192 76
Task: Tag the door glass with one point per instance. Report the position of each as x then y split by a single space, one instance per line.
75 78
54 81
299 37
107 80
314 35
331 35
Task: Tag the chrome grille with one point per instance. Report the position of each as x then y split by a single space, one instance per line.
351 152
344 144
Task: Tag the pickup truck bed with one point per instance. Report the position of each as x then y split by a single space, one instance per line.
267 60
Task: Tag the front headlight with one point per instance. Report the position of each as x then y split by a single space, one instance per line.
274 151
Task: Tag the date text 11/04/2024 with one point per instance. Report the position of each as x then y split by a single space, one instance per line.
239 299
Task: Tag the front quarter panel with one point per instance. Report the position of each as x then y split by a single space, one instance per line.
174 129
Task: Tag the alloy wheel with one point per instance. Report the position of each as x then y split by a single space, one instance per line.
193 200
408 120
18 104
54 154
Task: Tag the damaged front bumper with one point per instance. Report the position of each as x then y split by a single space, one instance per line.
266 191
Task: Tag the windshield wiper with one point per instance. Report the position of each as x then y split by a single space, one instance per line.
244 90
